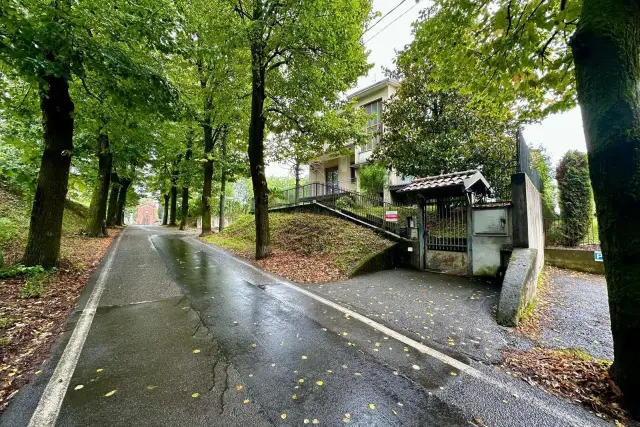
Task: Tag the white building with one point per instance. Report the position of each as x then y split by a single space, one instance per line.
340 171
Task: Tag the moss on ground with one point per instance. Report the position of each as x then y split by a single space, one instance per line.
308 234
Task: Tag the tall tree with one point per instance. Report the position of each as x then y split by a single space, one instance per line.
302 55
125 183
173 210
575 196
606 48
112 207
213 61
429 132
98 208
50 43
536 56
185 176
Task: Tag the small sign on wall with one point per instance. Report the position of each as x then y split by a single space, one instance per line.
391 216
597 256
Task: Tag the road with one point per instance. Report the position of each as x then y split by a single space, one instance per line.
181 333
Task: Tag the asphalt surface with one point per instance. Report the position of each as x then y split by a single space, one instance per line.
188 335
578 313
451 311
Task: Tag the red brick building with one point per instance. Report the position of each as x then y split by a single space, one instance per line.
147 213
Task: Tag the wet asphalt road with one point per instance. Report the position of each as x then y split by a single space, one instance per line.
188 335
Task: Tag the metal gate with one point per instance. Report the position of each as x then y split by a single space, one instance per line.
445 221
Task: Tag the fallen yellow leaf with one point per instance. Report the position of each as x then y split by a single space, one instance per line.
151 387
111 393
196 351
78 387
372 406
453 374
246 401
283 416
195 395
239 387
315 421
306 421
294 397
99 370
304 357
38 372
320 383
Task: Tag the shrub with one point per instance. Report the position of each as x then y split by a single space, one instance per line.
576 209
373 179
34 286
8 230
541 161
19 269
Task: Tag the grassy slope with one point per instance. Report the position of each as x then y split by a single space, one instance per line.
306 234
14 222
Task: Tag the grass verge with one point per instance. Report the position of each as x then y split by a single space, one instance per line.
305 247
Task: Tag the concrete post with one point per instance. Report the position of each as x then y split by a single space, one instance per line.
470 234
421 230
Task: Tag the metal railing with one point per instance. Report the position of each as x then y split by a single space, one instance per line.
367 208
559 233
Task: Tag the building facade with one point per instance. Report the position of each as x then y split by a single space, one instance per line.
340 172
147 213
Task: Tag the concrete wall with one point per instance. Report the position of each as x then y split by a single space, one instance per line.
528 221
491 232
447 262
573 259
344 172
528 233
518 287
395 256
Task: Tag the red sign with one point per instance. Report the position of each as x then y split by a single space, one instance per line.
391 216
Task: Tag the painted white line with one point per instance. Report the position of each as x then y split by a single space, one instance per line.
461 366
48 408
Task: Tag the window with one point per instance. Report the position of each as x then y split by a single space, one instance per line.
373 110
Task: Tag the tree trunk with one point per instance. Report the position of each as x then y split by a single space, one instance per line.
256 153
112 208
165 217
45 228
297 175
186 181
606 50
223 184
98 208
185 185
174 197
122 200
208 168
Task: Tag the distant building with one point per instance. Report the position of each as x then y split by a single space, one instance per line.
338 172
147 213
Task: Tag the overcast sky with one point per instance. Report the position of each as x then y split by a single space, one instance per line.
558 133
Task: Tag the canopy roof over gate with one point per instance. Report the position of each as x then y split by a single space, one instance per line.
448 185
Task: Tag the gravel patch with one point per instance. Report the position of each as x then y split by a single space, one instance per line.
578 313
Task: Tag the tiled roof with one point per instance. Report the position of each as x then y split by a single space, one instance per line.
465 179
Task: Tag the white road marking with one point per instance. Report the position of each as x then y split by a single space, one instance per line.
48 408
461 366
